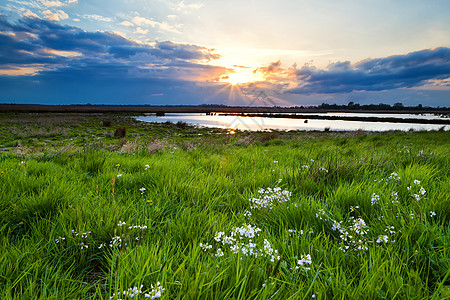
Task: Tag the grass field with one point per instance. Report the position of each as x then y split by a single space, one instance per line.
100 206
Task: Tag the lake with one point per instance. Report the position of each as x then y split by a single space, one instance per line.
266 123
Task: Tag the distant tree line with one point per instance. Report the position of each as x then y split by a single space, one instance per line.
396 106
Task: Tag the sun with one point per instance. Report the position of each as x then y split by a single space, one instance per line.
241 76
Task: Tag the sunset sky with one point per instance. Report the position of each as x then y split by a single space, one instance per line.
246 52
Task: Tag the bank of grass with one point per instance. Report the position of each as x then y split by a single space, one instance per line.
85 214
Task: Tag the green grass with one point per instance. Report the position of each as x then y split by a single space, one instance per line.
62 203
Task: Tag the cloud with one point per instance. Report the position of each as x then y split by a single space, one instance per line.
57 3
52 3
59 15
414 69
139 30
55 46
186 7
29 14
50 15
126 23
94 17
47 62
141 21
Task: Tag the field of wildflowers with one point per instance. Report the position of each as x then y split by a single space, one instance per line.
185 213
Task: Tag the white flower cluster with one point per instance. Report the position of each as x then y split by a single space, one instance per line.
131 292
323 169
83 245
247 214
60 239
385 238
241 240
141 227
305 260
422 192
321 214
353 237
423 153
336 225
116 241
83 235
156 292
293 231
394 176
394 196
353 208
382 239
142 189
219 253
269 198
205 246
374 200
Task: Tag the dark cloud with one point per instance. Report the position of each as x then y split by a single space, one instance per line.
76 66
30 39
393 72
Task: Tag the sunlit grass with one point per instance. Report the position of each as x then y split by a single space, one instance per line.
93 220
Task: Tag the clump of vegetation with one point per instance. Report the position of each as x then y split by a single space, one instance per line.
181 124
120 133
201 213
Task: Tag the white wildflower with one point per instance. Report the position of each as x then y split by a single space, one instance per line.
219 253
156 291
218 236
375 198
205 246
382 239
305 260
422 191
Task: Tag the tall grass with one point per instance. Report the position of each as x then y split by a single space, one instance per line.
95 221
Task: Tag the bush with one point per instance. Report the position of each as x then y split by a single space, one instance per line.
120 132
181 124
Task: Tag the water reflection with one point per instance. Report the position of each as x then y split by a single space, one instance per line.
260 123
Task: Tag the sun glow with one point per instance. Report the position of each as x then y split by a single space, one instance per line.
241 76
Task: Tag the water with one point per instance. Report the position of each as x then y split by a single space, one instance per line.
262 123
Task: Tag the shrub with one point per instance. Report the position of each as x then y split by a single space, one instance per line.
120 132
181 124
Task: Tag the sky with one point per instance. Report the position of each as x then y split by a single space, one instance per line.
246 52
